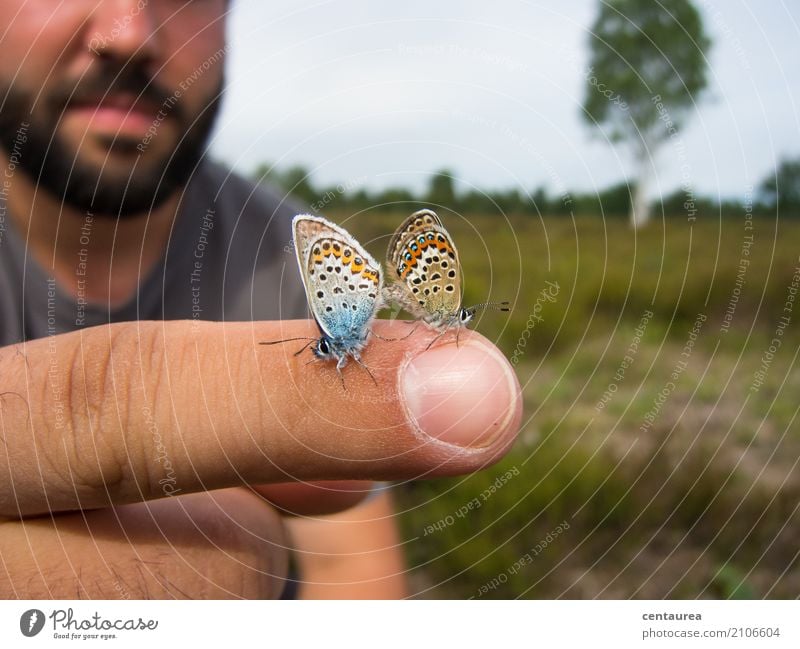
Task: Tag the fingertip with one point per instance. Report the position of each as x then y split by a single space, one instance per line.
463 394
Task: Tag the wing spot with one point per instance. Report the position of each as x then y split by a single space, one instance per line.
320 294
449 288
451 273
435 289
329 309
322 278
435 276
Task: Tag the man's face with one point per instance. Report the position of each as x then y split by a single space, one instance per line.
119 95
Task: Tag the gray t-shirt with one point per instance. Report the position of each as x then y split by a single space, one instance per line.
230 257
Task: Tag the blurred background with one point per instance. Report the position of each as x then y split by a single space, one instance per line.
627 173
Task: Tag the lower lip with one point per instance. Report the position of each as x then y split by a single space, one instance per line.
116 121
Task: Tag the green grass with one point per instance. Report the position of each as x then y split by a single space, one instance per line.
695 497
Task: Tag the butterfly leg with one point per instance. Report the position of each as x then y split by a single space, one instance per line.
358 360
431 343
339 366
304 347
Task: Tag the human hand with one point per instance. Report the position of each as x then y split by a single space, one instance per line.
97 424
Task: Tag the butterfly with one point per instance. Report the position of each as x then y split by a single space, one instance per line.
427 273
343 285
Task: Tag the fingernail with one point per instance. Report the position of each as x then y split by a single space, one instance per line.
466 395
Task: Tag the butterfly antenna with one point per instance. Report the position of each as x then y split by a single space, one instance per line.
288 340
499 306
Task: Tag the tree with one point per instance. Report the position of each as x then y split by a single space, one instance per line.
647 68
297 181
540 202
615 200
780 191
441 191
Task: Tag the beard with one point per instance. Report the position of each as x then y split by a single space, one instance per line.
54 166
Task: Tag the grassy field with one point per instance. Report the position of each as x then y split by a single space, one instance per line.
660 443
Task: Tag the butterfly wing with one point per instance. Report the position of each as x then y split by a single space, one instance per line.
342 280
424 262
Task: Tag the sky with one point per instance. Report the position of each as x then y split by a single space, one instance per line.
371 94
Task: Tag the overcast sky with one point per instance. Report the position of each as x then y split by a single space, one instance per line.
374 94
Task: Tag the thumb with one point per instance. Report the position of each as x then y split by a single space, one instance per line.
136 411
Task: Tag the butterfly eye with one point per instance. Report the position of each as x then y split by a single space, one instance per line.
323 347
465 315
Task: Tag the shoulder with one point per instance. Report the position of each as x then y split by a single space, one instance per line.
243 208
252 235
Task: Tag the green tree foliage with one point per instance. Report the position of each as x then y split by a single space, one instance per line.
611 202
295 180
674 204
441 190
647 68
540 201
780 191
476 201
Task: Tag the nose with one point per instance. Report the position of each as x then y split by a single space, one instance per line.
124 29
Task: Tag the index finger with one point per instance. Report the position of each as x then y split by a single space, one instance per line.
135 411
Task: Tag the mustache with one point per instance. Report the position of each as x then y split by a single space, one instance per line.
108 81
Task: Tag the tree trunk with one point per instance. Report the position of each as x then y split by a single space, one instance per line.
640 207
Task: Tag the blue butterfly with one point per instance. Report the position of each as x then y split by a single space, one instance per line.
343 285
